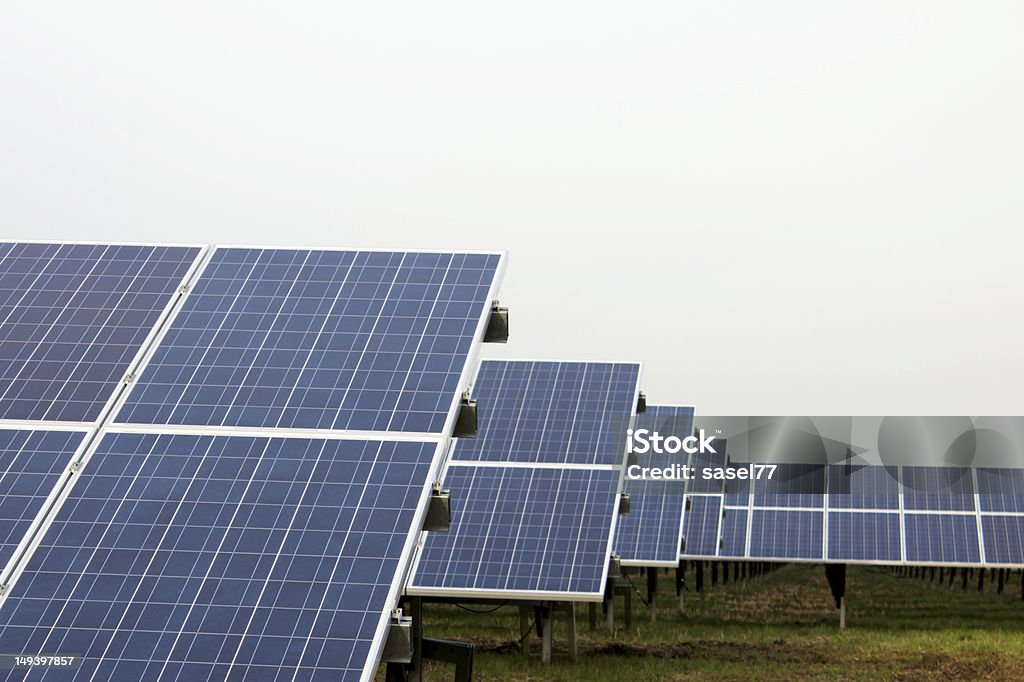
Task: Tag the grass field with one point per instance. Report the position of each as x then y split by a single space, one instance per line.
782 626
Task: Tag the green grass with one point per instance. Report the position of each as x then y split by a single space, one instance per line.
782 626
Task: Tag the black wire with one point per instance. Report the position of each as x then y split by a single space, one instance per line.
466 608
628 580
528 631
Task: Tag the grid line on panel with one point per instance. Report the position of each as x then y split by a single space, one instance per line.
521 530
318 339
73 317
552 412
220 555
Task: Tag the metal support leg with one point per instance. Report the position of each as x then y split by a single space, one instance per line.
570 612
592 615
524 629
628 608
700 579
842 613
1001 576
416 668
547 617
981 580
652 593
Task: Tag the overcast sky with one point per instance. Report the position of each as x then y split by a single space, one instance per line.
782 208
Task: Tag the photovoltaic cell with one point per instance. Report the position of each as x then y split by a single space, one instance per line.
523 530
864 536
1004 539
72 319
781 534
221 557
1000 490
938 488
863 487
30 465
942 538
700 526
552 412
352 340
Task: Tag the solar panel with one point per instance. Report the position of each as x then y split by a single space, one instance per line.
523 530
786 534
1000 490
942 538
938 488
552 412
319 339
73 317
864 536
223 557
791 485
734 533
863 487
1004 539
700 526
650 534
31 462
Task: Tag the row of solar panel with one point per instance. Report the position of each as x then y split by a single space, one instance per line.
711 530
875 514
265 338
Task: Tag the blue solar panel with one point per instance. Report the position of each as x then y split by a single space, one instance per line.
371 341
791 485
942 538
864 536
519 529
700 526
222 557
734 533
72 319
938 489
30 465
649 534
1004 539
779 534
863 487
1000 490
552 412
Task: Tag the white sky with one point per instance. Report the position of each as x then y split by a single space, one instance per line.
782 208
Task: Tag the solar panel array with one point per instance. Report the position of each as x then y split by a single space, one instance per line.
651 534
535 494
251 503
837 513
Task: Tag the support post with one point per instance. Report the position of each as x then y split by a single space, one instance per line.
1001 577
700 579
981 579
416 611
681 585
545 619
570 611
652 593
524 629
964 586
714 573
592 615
836 576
